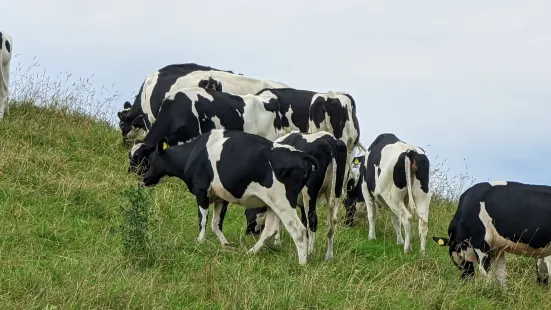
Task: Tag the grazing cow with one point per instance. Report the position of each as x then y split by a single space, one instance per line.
393 170
327 181
224 167
141 115
5 60
498 217
189 112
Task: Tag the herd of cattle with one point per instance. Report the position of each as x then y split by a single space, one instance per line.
270 148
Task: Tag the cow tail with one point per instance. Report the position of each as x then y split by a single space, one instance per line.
311 160
407 163
341 156
333 181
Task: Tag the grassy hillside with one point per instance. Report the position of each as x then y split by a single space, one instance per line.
62 178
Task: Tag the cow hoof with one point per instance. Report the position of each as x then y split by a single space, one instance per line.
328 257
201 239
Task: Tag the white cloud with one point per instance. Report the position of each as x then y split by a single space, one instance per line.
470 78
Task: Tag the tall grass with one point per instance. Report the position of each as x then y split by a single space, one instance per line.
63 179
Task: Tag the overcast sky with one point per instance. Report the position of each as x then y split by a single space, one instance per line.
471 79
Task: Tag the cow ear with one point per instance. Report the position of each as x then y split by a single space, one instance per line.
162 145
441 241
219 88
127 105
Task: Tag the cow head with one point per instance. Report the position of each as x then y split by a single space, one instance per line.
255 220
124 123
138 157
210 84
461 254
158 165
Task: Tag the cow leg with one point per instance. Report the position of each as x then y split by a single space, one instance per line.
542 271
484 262
312 218
406 222
397 228
277 240
220 208
289 217
202 213
371 212
422 203
269 229
501 269
350 212
333 209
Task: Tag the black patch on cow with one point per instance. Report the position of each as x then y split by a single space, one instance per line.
6 42
228 167
296 99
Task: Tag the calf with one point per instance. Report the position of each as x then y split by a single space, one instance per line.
190 112
5 60
142 114
233 166
393 170
327 181
494 218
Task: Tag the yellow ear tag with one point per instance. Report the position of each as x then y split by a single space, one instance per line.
357 161
165 146
440 242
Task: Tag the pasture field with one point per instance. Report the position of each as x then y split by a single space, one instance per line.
62 177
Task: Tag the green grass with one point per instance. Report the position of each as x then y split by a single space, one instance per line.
62 178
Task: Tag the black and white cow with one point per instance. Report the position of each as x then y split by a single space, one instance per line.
327 181
393 170
498 217
224 167
141 115
308 111
189 112
5 60
158 84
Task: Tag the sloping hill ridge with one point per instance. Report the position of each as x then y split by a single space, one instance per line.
61 179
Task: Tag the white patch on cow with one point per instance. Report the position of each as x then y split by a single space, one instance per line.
499 243
544 268
149 84
498 183
231 83
135 147
203 231
5 62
